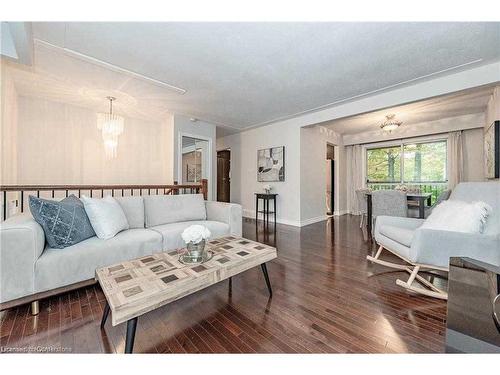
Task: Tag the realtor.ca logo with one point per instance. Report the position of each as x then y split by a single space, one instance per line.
35 349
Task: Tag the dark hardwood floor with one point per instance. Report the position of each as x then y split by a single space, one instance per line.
327 299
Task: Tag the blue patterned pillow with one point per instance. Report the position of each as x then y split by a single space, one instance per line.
65 223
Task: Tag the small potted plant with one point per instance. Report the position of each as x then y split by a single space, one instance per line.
195 237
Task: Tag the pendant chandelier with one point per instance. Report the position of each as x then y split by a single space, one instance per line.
111 127
390 123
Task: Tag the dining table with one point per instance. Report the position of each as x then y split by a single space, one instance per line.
421 198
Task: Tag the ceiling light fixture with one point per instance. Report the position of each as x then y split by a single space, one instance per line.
111 127
390 123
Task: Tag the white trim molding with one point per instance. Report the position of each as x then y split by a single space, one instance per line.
250 214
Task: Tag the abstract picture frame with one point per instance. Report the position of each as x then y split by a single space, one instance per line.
271 164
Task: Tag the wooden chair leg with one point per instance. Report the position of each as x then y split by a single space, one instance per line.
376 260
435 292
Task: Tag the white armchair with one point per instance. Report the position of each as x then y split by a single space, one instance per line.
424 248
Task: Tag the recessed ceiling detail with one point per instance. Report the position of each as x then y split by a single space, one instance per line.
461 103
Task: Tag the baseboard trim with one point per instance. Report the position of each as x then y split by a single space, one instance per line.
340 212
251 215
313 220
295 223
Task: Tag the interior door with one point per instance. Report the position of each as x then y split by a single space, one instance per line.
223 175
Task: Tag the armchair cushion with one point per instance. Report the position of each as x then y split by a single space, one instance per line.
401 235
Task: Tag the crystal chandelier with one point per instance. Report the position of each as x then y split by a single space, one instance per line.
111 127
390 123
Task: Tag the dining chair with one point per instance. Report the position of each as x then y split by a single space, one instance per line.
362 203
388 203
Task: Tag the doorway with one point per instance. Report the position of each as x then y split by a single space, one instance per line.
195 160
224 175
330 179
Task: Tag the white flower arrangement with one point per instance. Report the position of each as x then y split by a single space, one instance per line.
267 188
195 234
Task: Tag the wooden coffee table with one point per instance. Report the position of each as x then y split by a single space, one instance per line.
135 287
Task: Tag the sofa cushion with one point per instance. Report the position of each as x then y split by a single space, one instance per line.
133 207
77 263
166 209
172 232
64 223
106 216
401 235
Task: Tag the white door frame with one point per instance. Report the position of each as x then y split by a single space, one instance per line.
210 159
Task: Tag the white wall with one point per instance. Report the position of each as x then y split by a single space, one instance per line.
198 129
313 144
244 183
8 132
60 144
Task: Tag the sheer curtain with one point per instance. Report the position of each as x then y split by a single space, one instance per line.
354 176
455 159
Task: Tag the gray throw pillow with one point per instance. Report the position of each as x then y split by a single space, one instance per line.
64 223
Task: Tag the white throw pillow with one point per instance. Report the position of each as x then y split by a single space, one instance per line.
458 216
106 216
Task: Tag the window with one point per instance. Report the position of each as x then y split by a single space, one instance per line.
421 166
425 162
384 164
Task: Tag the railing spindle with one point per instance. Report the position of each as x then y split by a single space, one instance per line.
5 205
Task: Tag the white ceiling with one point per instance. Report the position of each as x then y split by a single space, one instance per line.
247 74
456 104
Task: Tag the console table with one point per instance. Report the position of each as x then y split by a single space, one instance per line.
265 211
473 317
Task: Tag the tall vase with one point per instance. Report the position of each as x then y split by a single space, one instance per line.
196 251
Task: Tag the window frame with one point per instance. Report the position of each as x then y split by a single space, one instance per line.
402 144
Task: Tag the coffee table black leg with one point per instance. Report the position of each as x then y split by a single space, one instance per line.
129 343
266 276
105 315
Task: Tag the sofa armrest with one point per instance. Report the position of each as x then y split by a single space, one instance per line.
435 247
229 213
21 243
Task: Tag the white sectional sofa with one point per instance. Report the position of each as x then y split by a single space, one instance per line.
30 270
